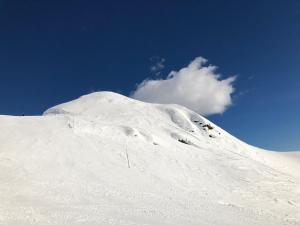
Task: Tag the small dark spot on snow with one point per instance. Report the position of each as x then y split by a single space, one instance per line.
184 141
210 127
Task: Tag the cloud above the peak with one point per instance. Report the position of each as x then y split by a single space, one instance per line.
157 65
198 87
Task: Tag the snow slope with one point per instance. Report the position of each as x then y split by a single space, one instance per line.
108 159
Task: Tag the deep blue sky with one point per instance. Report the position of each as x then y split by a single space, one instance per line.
55 51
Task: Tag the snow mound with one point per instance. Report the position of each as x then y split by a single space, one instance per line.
91 104
108 159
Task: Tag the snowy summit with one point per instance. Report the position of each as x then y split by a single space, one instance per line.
108 159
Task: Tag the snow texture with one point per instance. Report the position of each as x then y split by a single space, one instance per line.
108 159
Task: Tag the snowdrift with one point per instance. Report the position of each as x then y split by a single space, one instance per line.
108 159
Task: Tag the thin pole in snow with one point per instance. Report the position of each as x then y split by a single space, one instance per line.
127 157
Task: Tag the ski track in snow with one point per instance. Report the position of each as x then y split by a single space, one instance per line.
108 159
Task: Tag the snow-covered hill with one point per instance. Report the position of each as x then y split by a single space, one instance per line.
108 159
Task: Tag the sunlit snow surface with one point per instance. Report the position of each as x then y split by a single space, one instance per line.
108 159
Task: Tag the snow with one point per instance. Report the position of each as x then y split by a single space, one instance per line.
108 159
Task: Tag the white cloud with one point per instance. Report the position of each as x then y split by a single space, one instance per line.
197 87
158 65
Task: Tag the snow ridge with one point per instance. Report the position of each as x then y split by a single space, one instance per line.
108 159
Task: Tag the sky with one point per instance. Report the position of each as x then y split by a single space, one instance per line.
236 62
